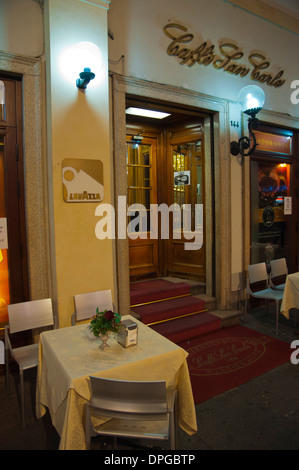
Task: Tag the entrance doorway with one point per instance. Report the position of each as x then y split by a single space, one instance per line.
13 248
274 196
165 167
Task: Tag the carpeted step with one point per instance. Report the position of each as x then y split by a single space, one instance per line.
156 290
188 327
168 309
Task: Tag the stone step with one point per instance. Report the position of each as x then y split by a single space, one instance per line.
188 327
169 309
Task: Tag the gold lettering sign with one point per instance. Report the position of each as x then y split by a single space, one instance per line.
227 59
274 143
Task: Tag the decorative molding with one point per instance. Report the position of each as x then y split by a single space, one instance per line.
31 70
219 107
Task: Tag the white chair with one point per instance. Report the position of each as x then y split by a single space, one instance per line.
279 271
86 304
257 274
144 410
21 317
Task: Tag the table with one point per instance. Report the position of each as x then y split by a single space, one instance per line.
291 294
68 356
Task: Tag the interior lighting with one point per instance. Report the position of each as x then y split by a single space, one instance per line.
146 113
251 99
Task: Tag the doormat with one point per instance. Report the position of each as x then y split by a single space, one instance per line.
229 357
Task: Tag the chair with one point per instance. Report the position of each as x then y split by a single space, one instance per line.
25 316
143 410
257 274
279 271
87 304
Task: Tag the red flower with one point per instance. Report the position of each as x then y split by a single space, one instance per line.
109 315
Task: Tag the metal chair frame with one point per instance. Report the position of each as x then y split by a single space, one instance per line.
278 268
258 273
26 316
144 410
86 304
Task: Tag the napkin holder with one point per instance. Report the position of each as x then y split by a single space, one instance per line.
128 333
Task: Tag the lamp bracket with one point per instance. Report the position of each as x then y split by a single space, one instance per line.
244 142
85 78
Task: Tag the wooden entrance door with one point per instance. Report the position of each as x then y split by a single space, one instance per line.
185 254
142 192
165 166
13 260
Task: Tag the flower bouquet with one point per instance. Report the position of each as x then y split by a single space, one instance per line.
104 322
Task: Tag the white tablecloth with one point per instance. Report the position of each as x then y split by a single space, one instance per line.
291 294
68 356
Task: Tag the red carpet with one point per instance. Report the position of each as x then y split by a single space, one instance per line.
167 309
157 289
229 357
188 327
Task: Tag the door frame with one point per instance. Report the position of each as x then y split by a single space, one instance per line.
41 270
218 216
277 120
269 118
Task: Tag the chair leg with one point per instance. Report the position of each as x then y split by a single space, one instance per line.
277 315
246 303
7 370
22 396
172 431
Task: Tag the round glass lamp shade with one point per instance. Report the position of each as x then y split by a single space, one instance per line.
252 99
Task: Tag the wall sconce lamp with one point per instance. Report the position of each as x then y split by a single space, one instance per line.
252 99
85 78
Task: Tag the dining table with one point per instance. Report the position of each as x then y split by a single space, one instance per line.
291 294
69 356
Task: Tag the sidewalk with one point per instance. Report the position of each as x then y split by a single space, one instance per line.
260 414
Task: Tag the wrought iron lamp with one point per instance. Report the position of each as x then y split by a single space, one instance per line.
85 78
252 99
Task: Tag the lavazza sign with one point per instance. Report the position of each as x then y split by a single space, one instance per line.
227 60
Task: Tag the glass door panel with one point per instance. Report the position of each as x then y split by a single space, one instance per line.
139 168
270 227
141 190
187 176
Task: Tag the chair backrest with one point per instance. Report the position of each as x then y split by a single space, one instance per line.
128 397
257 273
28 315
2 355
278 267
87 304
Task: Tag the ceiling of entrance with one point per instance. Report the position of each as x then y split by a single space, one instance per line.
176 113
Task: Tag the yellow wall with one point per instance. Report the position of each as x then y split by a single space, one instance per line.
78 127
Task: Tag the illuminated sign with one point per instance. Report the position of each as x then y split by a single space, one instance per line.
274 143
227 59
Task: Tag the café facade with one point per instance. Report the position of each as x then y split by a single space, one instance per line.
89 190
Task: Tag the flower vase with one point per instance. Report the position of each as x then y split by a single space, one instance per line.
104 339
